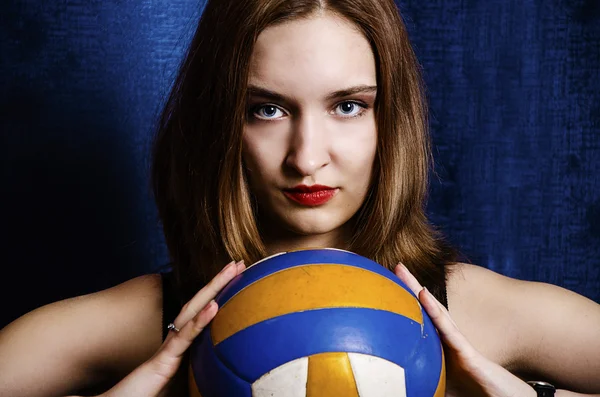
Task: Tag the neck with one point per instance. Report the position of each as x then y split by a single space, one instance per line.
279 242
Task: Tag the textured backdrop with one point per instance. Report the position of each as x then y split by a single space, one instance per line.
514 88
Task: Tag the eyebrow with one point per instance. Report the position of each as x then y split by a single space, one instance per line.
272 95
359 89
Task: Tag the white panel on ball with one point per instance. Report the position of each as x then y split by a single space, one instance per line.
376 377
288 380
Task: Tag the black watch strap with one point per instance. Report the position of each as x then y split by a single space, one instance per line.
543 389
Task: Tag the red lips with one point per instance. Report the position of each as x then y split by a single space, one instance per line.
310 196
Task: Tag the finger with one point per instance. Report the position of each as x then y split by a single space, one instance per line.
150 378
447 328
179 342
443 309
407 278
209 292
405 275
241 266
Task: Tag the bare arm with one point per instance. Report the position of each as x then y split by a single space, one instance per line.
536 330
82 342
565 393
561 336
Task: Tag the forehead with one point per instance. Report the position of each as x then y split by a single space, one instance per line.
317 54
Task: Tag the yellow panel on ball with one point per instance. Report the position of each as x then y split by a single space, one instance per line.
330 374
441 387
192 387
311 287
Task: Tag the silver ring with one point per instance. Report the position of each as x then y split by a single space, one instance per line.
172 327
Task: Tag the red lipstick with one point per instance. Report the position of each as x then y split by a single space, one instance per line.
310 196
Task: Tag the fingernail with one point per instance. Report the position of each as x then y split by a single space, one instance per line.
229 265
209 306
428 293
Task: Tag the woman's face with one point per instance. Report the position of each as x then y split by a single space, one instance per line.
310 137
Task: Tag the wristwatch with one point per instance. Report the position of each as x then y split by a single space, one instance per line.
543 389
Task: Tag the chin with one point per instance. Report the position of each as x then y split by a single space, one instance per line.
315 227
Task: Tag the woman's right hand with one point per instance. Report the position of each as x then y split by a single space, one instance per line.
152 377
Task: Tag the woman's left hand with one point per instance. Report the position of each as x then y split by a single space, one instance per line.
469 373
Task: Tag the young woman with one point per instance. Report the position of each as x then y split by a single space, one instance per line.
293 124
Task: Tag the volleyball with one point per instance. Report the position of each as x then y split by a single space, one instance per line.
319 322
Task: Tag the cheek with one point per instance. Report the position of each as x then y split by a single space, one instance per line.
258 157
358 153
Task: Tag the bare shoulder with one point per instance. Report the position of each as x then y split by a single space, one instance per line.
534 329
477 303
83 340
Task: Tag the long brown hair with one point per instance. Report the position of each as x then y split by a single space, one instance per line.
198 177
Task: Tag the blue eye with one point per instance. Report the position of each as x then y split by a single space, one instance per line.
350 109
268 112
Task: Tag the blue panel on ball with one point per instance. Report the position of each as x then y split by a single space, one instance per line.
213 378
424 372
262 347
299 258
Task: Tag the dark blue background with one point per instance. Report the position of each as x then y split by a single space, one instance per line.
514 87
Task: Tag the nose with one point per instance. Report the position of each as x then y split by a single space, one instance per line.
309 146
